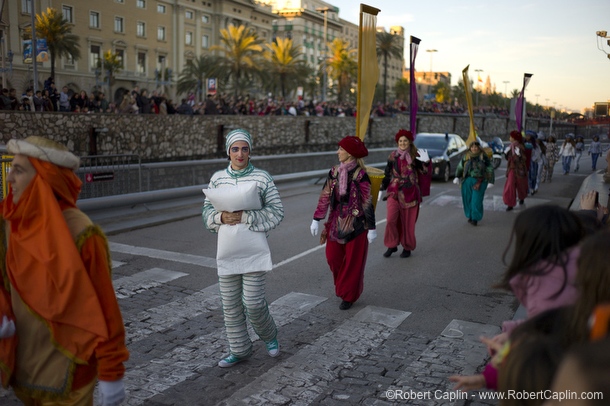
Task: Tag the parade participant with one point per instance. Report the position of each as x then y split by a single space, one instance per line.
346 197
243 256
516 172
579 148
552 154
57 286
403 195
476 173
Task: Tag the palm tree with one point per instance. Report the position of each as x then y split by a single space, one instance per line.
388 45
342 65
402 89
192 78
241 50
286 66
53 27
110 64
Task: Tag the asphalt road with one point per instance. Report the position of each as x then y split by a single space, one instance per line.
416 323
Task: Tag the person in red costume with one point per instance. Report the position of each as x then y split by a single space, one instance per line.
61 323
516 172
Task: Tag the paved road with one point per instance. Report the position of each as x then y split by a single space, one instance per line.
417 322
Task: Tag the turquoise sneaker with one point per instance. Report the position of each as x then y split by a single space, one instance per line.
273 348
230 361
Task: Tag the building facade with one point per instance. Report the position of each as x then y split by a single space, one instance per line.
155 39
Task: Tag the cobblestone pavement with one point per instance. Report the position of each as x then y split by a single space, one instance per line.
176 337
363 356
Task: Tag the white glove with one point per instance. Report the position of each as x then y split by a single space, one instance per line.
380 196
7 328
490 185
372 234
456 181
517 151
112 393
423 155
314 227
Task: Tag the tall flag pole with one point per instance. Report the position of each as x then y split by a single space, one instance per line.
520 106
472 134
413 85
368 70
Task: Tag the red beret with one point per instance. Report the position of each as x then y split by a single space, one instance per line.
403 133
516 135
354 146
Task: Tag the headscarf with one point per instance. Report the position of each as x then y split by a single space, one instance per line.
238 135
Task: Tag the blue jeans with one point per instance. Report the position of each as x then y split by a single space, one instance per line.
594 160
566 161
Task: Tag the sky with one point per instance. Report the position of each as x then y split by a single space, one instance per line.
555 40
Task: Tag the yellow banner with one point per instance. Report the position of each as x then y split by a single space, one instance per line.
472 135
368 70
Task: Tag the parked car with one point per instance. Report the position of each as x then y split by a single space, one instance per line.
445 151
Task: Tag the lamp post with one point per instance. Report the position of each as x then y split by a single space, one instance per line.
431 51
324 10
479 87
506 82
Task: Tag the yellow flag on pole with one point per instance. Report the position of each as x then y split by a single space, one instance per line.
472 135
368 70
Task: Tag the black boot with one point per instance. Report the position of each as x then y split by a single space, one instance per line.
390 251
405 253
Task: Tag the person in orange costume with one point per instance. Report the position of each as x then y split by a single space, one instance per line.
61 323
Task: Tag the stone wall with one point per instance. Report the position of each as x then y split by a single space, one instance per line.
176 138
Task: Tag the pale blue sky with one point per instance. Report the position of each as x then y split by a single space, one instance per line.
554 40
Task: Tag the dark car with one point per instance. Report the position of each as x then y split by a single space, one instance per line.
445 151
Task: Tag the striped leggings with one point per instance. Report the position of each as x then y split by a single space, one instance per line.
244 295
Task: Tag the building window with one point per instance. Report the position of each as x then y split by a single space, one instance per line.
95 56
26 6
119 1
161 33
205 19
69 62
68 13
141 29
141 3
205 41
189 15
161 8
119 24
94 19
141 62
189 38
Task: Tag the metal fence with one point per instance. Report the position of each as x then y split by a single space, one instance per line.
107 175
102 175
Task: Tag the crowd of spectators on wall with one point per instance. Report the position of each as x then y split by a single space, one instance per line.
139 101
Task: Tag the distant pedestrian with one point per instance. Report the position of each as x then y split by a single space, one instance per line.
552 155
595 150
346 198
579 148
567 153
245 206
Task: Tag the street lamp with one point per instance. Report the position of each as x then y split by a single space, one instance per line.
601 35
324 10
432 51
478 71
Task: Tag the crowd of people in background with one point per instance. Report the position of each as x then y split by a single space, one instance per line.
142 101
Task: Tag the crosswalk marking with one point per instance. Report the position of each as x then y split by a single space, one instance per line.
116 264
316 364
490 202
161 254
131 285
145 381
